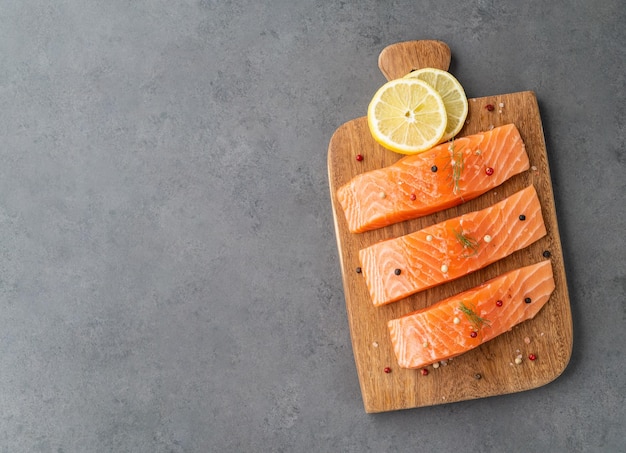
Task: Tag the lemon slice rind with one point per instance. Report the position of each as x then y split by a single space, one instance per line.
407 116
451 92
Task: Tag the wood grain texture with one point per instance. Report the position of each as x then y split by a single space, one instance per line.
550 332
399 59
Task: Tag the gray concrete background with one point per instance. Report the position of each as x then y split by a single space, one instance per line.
169 278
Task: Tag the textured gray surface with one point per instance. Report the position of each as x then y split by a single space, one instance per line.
169 279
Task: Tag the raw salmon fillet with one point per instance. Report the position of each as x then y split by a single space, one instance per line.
445 176
396 268
460 323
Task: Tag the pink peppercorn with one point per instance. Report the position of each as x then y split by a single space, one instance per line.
490 107
413 197
359 157
424 372
532 357
499 303
489 171
473 334
387 370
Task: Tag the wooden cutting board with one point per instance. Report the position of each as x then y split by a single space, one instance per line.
489 370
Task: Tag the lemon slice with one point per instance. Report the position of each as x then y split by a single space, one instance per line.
452 94
407 116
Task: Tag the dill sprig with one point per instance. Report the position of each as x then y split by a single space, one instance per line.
457 164
476 321
467 242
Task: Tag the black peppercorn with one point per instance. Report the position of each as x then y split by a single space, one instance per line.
522 217
397 272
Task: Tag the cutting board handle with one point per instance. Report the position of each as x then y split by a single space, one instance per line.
398 59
